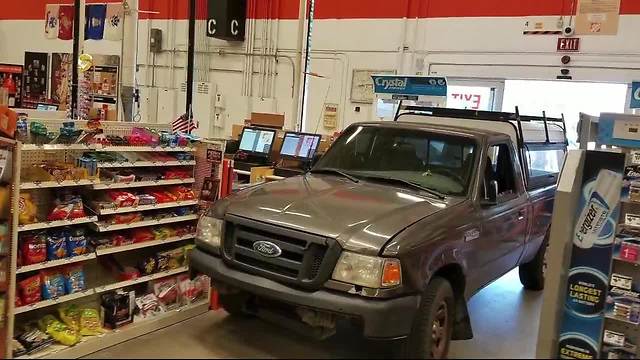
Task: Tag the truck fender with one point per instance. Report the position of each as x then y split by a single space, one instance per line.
454 273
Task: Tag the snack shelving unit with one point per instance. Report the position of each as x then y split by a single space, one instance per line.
9 221
98 222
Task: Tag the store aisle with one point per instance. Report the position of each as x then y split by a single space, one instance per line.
505 321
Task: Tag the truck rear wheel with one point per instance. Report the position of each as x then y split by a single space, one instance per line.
532 274
432 328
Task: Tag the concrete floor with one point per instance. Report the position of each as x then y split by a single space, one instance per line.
504 317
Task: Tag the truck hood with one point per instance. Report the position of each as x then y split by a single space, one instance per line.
361 216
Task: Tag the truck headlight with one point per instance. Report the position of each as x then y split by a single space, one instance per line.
210 230
368 271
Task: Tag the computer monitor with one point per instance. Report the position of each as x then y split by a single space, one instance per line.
257 141
47 107
300 146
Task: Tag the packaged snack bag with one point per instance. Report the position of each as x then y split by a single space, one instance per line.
33 248
90 322
30 290
76 242
52 284
59 331
26 209
74 279
56 245
70 315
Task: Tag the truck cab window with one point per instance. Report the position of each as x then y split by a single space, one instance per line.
436 161
499 168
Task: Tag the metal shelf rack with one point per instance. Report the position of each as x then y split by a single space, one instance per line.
99 280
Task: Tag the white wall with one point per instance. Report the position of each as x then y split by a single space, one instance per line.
486 48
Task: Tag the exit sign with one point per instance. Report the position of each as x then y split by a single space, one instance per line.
568 44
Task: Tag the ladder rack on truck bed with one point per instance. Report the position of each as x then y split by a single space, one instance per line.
505 117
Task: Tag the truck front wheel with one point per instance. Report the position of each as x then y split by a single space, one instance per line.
433 325
532 273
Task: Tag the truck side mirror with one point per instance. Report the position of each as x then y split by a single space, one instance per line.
491 197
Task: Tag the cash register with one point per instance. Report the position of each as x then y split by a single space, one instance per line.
255 148
299 148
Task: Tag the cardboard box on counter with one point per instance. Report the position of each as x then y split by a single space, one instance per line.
236 131
267 120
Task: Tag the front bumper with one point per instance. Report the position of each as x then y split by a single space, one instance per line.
388 318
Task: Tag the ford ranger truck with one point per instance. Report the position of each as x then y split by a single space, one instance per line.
393 229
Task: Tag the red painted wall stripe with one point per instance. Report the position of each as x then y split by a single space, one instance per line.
336 9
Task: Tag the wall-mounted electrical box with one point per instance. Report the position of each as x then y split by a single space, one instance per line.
219 101
155 42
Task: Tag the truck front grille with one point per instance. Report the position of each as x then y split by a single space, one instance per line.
305 260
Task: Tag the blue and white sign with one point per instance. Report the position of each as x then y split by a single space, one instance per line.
587 284
635 95
410 85
427 90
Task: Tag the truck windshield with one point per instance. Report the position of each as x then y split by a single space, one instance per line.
434 161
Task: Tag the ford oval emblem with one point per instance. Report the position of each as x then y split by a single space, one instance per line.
267 249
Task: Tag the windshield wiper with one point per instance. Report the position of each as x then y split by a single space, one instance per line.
335 172
412 184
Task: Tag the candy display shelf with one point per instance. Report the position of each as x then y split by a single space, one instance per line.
55 263
107 186
126 164
55 184
140 280
54 147
58 223
98 290
102 227
56 301
146 207
123 248
97 224
144 149
93 344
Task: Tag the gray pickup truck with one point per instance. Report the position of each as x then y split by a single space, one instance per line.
394 229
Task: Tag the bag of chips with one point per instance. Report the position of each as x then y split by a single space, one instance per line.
56 246
52 284
90 322
59 331
74 279
76 242
34 249
70 315
26 209
30 290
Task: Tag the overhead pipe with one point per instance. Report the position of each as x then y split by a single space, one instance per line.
223 52
263 50
274 62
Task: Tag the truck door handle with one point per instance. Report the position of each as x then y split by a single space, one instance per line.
521 214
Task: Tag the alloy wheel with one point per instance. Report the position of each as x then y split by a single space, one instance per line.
440 331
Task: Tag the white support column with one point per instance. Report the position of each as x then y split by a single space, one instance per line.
297 83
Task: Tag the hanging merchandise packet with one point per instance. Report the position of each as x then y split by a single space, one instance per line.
113 28
66 15
94 29
51 27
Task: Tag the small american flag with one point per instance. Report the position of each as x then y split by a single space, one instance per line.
184 124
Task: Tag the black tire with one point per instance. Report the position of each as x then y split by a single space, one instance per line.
532 274
234 304
436 311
